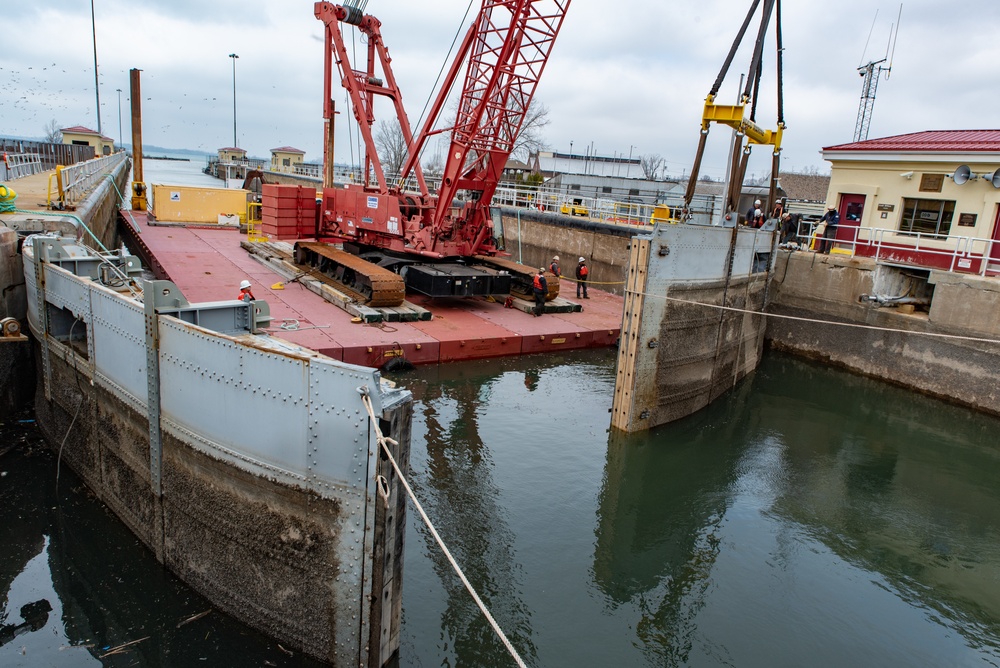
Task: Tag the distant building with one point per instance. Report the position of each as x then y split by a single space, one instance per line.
81 136
232 155
548 163
936 193
515 170
285 159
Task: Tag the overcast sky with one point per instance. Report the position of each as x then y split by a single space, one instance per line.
624 76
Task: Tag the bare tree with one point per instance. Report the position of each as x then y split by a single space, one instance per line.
529 140
434 167
651 166
53 134
391 146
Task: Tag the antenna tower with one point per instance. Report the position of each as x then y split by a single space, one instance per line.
870 74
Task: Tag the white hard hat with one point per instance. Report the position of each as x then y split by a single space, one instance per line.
758 212
583 259
244 285
756 202
555 257
541 270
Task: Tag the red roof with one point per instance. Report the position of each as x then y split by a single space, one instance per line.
287 149
80 130
951 141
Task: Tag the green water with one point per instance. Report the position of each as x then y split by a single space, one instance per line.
810 518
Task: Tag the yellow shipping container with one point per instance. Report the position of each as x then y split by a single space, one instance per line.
188 204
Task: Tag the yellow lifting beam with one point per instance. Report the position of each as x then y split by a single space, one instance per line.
732 115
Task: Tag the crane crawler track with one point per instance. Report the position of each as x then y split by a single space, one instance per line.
375 285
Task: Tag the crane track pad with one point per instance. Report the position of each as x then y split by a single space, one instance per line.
374 285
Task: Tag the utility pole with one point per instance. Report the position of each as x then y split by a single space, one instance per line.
234 57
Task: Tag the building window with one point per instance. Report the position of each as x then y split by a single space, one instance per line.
575 186
927 216
633 191
606 190
285 162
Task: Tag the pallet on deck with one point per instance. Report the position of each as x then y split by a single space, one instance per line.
557 305
278 256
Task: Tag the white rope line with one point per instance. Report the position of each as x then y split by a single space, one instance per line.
384 441
817 321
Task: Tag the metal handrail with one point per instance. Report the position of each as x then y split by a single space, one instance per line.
22 164
885 241
77 181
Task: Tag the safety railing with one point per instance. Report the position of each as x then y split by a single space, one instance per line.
964 254
254 231
77 181
19 165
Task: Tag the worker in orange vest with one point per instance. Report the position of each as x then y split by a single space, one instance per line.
540 287
581 278
245 294
554 266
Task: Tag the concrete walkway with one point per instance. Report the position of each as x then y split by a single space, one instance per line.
32 191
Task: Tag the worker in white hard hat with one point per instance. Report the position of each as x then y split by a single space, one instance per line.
554 266
581 277
752 213
245 294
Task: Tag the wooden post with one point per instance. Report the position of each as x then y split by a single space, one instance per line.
635 288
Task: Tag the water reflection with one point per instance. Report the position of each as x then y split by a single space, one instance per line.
459 493
76 584
905 488
660 509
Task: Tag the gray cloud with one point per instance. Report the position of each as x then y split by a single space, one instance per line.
629 75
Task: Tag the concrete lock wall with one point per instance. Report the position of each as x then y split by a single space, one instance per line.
186 204
533 237
100 210
827 289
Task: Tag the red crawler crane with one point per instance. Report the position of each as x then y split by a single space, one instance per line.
440 246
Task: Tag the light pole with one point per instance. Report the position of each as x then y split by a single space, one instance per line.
234 57
97 84
121 147
628 165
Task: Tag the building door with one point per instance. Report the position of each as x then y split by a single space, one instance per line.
995 248
852 208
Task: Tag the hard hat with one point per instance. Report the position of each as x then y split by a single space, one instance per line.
756 202
555 257
583 259
831 207
541 270
758 212
245 285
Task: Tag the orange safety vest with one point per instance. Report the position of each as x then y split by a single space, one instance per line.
584 271
538 281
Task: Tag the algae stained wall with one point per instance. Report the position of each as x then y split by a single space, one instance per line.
890 344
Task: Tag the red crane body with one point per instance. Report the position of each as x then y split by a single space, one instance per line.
505 51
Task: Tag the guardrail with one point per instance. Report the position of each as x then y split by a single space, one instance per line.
963 254
77 181
18 165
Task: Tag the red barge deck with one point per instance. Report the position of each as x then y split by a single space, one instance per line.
207 264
